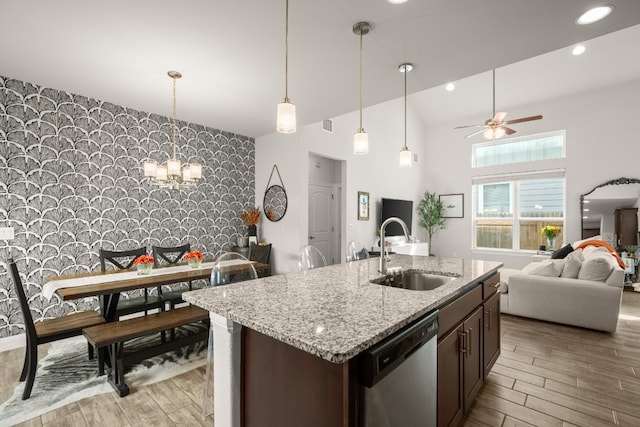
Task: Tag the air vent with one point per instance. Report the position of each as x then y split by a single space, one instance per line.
327 125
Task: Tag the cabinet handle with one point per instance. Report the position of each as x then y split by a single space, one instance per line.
488 325
462 341
470 341
496 285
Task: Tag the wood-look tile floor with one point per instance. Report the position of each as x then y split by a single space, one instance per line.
547 375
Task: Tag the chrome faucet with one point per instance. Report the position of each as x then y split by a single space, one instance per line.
383 269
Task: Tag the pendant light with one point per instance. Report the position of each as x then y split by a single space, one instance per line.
405 153
173 175
286 116
360 138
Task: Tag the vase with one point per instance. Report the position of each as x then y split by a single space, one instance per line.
144 268
194 263
551 243
253 234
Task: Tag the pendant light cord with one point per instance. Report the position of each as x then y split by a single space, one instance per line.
174 118
361 129
405 107
286 53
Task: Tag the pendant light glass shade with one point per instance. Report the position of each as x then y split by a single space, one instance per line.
361 138
286 121
405 160
360 142
286 113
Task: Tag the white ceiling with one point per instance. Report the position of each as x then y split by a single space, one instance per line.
231 53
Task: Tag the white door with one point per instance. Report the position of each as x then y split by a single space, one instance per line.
321 229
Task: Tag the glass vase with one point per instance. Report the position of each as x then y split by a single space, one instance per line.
144 269
551 243
194 263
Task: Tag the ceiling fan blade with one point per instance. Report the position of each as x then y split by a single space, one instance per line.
475 133
468 126
498 118
507 130
522 119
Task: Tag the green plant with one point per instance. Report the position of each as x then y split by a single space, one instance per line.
430 213
631 248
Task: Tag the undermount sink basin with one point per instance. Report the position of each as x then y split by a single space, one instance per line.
416 280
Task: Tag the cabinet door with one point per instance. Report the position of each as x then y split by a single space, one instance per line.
473 367
449 379
491 332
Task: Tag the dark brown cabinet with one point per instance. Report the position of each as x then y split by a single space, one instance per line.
626 226
491 332
468 346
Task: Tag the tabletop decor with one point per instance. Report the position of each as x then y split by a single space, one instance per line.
194 259
252 217
551 232
144 264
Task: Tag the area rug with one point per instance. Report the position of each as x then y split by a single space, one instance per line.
66 375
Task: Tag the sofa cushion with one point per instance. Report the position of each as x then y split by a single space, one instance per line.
547 268
571 267
596 267
594 250
562 253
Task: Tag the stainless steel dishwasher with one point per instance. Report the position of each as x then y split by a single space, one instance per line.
398 378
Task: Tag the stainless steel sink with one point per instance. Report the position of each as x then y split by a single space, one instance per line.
416 280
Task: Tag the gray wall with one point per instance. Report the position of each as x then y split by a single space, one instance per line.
71 182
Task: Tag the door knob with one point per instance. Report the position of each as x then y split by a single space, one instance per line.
311 237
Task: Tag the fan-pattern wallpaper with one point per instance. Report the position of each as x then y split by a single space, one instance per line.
71 182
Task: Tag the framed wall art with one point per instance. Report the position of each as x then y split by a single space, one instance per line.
453 205
363 206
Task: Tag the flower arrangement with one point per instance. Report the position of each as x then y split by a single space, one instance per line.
251 216
143 263
143 259
550 231
194 255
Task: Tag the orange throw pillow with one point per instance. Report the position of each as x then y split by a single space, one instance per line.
610 248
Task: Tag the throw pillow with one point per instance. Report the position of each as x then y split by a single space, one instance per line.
548 268
562 253
596 268
577 254
571 268
590 251
579 242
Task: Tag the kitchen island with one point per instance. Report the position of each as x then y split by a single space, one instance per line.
289 343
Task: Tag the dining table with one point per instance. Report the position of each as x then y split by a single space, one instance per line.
110 284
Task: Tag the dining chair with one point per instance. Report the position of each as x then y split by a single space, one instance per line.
261 254
356 251
170 255
46 331
230 267
311 257
123 260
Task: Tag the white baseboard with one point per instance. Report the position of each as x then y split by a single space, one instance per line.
14 341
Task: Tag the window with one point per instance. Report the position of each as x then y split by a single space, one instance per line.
510 210
518 150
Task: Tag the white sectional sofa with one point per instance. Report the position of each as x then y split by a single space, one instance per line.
584 289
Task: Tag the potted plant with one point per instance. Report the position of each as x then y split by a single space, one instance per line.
144 264
194 259
550 232
430 213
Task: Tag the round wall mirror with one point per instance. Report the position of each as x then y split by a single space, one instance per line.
275 203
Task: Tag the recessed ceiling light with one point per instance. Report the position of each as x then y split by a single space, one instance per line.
449 87
585 210
594 15
578 50
587 201
397 1
585 217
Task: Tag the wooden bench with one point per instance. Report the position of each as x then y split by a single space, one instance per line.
113 335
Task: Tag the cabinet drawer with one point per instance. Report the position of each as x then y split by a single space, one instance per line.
452 314
490 286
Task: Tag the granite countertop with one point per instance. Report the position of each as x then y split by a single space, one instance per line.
334 312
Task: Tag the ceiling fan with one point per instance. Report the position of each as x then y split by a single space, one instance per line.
496 127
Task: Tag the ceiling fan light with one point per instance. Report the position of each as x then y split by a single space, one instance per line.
286 120
360 142
405 158
594 14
